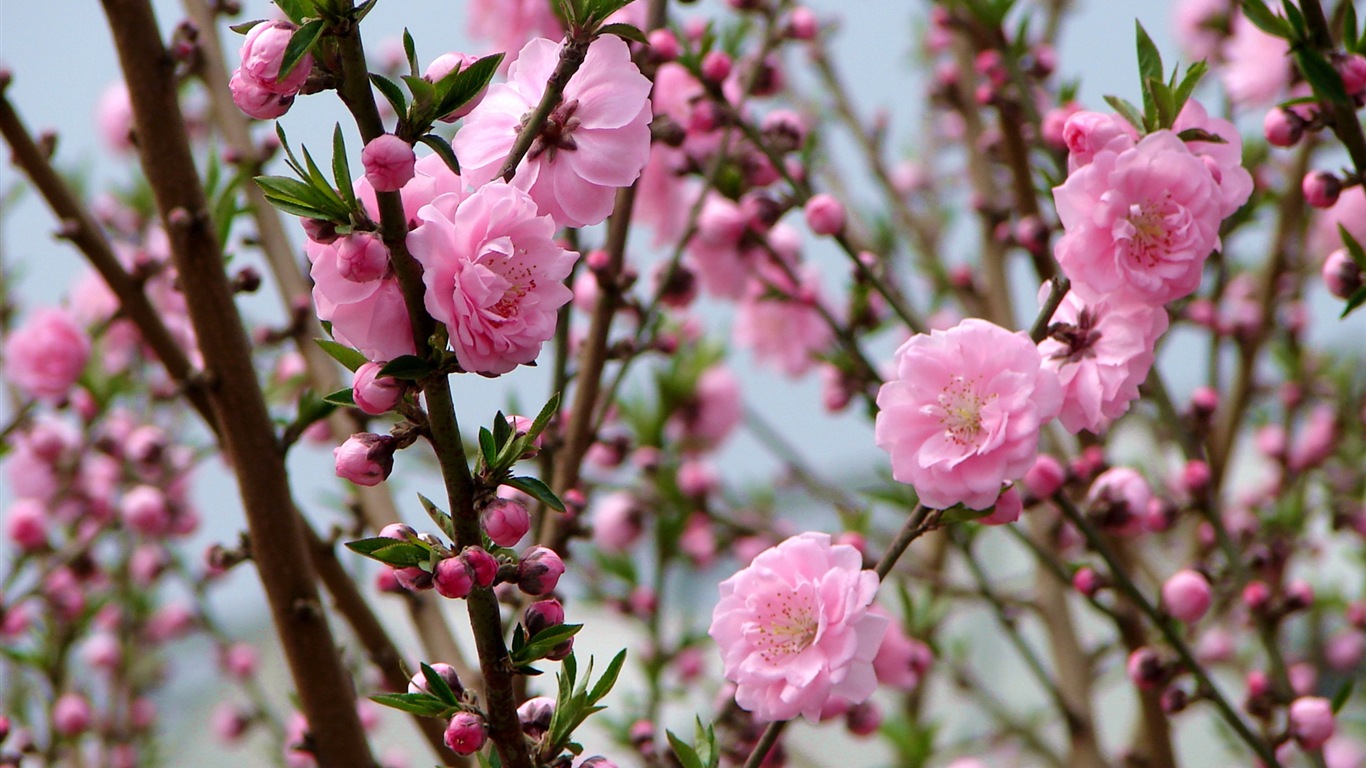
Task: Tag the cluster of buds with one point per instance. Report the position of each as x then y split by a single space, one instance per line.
259 87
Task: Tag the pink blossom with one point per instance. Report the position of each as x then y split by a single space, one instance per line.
1349 212
370 316
26 525
510 24
1195 30
1139 223
71 714
256 100
362 257
506 521
1256 67
795 629
616 522
1315 441
713 412
1224 159
114 117
365 458
962 414
494 275
1102 352
779 321
1341 275
901 660
595 141
46 355
1087 133
388 162
1311 721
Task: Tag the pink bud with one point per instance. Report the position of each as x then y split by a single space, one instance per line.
144 510
1311 721
1256 595
418 683
539 571
142 713
482 564
506 521
1352 68
1299 594
413 579
535 714
263 54
257 101
228 723
1145 669
1045 477
1195 476
1345 650
388 162
1007 510
365 458
26 525
362 257
1321 189
698 541
240 661
1341 275
863 719
445 64
71 714
1087 581
1283 127
1186 595
803 24
375 394
453 578
664 44
102 651
466 733
716 66
696 477
824 215
1204 400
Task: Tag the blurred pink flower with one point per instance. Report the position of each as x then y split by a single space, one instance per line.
1224 159
46 355
1102 352
511 24
962 414
795 630
1139 223
596 140
114 117
494 275
714 410
779 322
1256 69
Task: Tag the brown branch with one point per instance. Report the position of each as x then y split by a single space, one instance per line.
248 437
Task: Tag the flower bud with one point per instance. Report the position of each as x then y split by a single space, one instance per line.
71 714
375 394
1256 595
445 64
413 579
1045 477
365 458
482 564
1321 189
824 215
263 54
466 733
1283 127
418 683
716 66
534 715
239 660
1007 510
362 257
453 578
597 761
1195 476
1145 669
542 615
144 510
1186 595
1087 581
863 719
539 571
26 525
664 44
506 521
1299 594
1341 275
803 24
1311 722
388 162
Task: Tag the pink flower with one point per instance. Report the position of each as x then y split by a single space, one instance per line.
26 525
388 162
1102 353
1139 223
1195 22
510 24
595 141
506 521
795 629
1256 67
494 275
368 315
114 117
466 733
713 412
46 355
263 53
1350 212
963 413
1087 133
616 522
1224 159
71 714
779 322
901 660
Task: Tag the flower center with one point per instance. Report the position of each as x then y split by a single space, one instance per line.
1149 229
786 625
556 133
1079 339
961 410
506 260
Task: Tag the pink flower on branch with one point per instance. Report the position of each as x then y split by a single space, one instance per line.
596 140
962 414
795 629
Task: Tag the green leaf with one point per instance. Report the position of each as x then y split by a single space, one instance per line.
488 447
438 516
1344 693
300 43
343 354
542 420
437 685
1257 13
609 678
685 753
1322 76
410 367
421 704
290 159
1200 134
538 490
424 93
400 554
1357 300
544 643
291 193
625 32
341 168
391 92
502 429
442 148
1349 29
1150 68
245 26
1193 75
1127 111
1296 19
457 88
341 397
297 10
410 52
1353 247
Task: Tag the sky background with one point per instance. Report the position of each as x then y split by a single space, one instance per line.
61 58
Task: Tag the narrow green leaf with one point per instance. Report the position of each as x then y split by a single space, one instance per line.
537 489
1322 76
290 159
400 554
295 208
625 32
1353 247
1343 695
341 397
1295 18
542 420
438 516
488 447
424 93
1257 13
457 88
420 704
391 92
343 354
322 184
1149 58
1127 111
1357 300
437 685
410 367
502 429
1184 90
685 753
609 678
1349 28
1200 134
296 10
341 168
300 43
245 26
410 51
442 148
